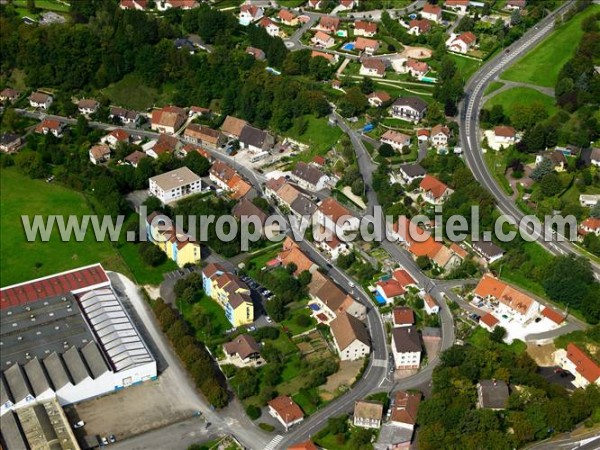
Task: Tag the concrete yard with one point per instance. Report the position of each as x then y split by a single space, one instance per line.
133 410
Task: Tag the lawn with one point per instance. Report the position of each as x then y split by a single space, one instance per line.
296 310
50 5
494 86
481 339
466 66
21 260
131 92
517 96
212 309
290 3
319 136
542 65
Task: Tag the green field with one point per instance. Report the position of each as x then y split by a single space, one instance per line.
494 86
319 136
517 96
21 260
131 92
542 65
466 66
481 339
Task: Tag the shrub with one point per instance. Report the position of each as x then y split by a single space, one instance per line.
266 427
253 412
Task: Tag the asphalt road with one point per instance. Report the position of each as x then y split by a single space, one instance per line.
469 127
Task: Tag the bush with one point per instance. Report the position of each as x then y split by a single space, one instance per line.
253 412
303 321
151 254
266 427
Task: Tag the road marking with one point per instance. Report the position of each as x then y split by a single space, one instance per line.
380 363
276 440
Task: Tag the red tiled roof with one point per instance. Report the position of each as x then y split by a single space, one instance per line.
586 367
391 288
432 9
467 37
403 277
433 185
60 284
490 320
368 27
591 223
286 408
404 316
553 315
363 43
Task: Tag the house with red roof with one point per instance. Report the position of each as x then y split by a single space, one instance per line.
372 67
168 119
364 28
51 126
416 68
459 6
590 225
394 286
367 46
433 190
332 58
270 26
378 98
403 317
288 17
461 43
250 13
504 135
488 321
417 27
285 410
113 138
322 39
328 24
577 361
432 12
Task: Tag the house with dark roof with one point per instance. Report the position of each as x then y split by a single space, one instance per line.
372 67
10 142
406 347
257 53
412 109
40 100
9 95
488 251
124 116
309 177
492 394
88 106
256 140
243 351
407 173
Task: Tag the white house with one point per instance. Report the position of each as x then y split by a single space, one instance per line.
431 306
168 119
460 6
588 200
40 100
270 26
488 250
432 12
504 135
461 43
99 153
396 139
434 191
406 347
171 186
412 109
336 218
367 414
88 106
407 173
285 410
309 177
51 126
250 13
366 45
440 135
334 247
418 27
378 98
364 28
322 39
576 361
372 67
350 337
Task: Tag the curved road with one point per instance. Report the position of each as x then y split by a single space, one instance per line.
469 127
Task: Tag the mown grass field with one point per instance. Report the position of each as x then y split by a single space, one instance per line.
21 260
517 96
542 65
481 339
319 136
131 92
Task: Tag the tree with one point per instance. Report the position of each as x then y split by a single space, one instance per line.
151 254
197 163
358 186
544 168
497 334
515 17
569 280
550 184
423 262
367 85
353 103
386 150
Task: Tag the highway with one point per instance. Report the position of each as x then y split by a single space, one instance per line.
469 126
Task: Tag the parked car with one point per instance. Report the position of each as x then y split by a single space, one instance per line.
78 424
268 319
112 439
104 441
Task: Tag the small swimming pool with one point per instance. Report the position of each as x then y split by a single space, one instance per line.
342 33
349 46
379 299
428 79
413 16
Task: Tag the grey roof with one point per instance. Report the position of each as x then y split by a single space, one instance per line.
37 377
253 136
94 359
75 365
307 173
487 249
303 206
590 154
17 383
492 394
413 170
11 434
391 435
8 138
413 102
406 339
37 329
56 371
4 394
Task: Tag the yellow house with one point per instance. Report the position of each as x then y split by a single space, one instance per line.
179 246
230 293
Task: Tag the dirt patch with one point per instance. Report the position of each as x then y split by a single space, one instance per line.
404 373
131 411
343 377
542 354
432 348
153 291
417 52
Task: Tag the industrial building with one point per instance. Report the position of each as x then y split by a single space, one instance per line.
66 337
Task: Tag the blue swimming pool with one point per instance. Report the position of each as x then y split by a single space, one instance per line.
348 46
379 298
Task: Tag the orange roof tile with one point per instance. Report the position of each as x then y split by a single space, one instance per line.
586 367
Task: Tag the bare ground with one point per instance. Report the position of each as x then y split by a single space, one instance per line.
345 376
541 354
